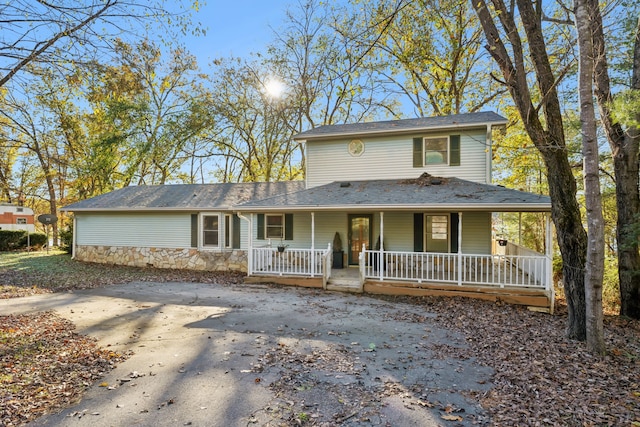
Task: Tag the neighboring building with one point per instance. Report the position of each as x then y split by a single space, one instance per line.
411 199
13 217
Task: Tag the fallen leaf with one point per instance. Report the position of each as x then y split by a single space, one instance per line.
451 417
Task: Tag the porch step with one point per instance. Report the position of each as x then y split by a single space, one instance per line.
344 285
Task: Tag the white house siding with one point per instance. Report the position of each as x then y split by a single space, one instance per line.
158 230
398 231
392 157
476 232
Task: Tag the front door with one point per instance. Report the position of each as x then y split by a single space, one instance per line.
359 234
437 236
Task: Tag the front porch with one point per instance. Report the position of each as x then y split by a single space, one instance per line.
511 274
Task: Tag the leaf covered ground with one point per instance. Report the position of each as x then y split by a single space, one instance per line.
45 365
540 378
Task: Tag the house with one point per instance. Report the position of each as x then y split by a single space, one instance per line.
13 217
412 200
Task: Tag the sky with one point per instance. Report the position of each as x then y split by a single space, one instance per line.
235 27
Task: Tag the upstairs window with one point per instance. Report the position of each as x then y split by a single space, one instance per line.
436 150
21 221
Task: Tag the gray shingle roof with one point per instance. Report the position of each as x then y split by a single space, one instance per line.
183 196
424 193
456 121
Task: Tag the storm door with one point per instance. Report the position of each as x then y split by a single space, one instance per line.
359 234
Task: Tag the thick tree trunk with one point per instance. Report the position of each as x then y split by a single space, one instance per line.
546 133
625 146
586 12
628 204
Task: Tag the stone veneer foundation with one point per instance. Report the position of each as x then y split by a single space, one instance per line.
187 259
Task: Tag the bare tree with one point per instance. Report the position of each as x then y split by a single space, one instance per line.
54 32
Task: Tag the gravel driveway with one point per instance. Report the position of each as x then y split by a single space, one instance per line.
243 355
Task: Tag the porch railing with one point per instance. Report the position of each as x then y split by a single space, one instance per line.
290 261
463 269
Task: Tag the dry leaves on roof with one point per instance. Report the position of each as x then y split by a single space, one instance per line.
425 180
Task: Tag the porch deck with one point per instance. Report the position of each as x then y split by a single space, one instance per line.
517 279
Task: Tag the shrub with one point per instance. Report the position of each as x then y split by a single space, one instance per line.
66 239
11 239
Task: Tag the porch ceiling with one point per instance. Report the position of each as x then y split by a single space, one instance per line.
424 194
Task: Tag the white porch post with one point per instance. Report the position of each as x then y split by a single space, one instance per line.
381 255
313 244
459 248
249 242
520 228
548 246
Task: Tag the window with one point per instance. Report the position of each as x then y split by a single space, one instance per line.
21 221
436 150
439 227
19 209
228 231
210 230
274 226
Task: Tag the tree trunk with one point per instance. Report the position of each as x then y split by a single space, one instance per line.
625 146
586 12
547 134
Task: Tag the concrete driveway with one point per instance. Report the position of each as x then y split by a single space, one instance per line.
242 355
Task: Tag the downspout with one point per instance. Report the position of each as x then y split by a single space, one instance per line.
488 150
74 238
249 243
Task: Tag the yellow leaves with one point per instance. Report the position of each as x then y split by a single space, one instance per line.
451 417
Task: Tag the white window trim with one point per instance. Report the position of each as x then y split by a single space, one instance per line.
201 217
21 221
424 150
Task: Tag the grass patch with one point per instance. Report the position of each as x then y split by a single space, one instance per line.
27 273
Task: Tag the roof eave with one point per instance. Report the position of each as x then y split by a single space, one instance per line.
500 207
336 135
150 209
